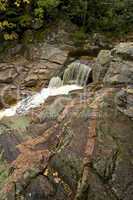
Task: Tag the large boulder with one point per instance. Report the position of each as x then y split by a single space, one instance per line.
124 50
115 67
101 66
119 72
111 174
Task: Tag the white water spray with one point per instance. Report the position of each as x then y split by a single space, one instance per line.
36 100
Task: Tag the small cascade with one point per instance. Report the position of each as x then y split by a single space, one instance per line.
70 74
55 82
36 100
75 76
77 73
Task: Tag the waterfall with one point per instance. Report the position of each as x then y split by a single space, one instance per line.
55 82
75 76
76 73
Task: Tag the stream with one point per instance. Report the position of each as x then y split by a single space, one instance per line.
36 100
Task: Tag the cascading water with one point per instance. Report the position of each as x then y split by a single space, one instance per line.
75 76
26 104
76 73
55 82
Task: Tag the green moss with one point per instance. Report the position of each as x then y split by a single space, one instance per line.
10 100
39 35
79 37
28 37
69 167
19 122
3 171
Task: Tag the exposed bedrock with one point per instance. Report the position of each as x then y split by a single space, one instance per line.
78 147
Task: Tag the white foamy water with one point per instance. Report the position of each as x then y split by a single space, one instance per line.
36 100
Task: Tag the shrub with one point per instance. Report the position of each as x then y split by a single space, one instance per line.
16 16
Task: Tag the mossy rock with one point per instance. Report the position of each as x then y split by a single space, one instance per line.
68 166
53 111
79 37
3 171
17 122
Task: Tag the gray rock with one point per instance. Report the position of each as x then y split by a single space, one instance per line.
124 101
124 50
102 64
7 73
115 67
101 41
119 73
112 159
31 80
53 111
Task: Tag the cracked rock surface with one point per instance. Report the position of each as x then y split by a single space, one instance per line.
82 151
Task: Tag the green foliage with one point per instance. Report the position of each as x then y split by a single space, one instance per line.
18 15
45 5
92 15
101 15
79 37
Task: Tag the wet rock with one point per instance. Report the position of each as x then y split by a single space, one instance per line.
34 64
82 154
53 111
74 148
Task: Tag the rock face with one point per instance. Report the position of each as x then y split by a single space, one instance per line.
115 70
43 54
7 73
112 166
124 50
102 65
26 73
73 148
119 72
124 101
